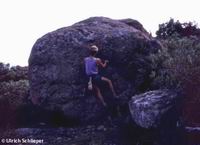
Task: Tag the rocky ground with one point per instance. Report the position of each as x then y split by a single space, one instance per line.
105 133
89 135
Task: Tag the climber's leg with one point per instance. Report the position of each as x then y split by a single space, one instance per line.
110 85
99 95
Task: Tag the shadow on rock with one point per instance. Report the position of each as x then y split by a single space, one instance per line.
36 116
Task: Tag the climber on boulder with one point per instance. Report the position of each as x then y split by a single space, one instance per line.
91 68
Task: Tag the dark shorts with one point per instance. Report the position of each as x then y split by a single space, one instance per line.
96 79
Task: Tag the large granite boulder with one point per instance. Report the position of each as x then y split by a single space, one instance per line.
56 68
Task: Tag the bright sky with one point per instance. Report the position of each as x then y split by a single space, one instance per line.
24 21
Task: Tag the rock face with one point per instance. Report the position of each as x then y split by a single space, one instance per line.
56 69
148 109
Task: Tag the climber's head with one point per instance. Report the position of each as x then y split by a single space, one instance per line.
93 50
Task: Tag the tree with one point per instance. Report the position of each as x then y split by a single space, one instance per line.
177 28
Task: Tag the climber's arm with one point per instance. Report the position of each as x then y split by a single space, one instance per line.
99 62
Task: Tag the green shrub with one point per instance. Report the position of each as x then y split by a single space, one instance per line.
15 92
178 64
170 28
14 85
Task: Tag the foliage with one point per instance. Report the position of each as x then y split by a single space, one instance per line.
16 92
160 74
14 73
177 28
14 85
178 64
